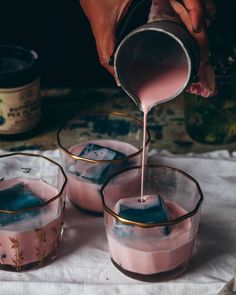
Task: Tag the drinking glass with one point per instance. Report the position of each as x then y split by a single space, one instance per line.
152 238
32 201
92 147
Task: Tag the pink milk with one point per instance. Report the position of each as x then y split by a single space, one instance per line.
153 85
85 193
148 251
31 242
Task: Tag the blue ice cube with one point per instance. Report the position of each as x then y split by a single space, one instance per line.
151 210
97 172
17 197
147 211
122 230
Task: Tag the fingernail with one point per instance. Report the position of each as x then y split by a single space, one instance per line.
111 61
197 30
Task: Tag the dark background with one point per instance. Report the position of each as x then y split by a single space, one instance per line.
61 35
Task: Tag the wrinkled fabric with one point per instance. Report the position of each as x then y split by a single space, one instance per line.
205 86
229 288
83 264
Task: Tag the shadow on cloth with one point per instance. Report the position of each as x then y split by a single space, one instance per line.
209 245
81 230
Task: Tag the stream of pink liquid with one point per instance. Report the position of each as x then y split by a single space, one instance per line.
153 85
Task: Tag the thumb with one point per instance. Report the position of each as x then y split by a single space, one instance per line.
105 47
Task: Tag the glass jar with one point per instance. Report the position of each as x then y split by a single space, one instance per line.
213 120
20 103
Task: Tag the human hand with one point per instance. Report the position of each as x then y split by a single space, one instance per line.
196 16
104 15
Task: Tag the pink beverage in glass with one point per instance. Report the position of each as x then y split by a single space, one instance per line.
33 240
93 146
157 240
142 256
154 74
83 189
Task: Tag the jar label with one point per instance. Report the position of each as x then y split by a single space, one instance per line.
20 108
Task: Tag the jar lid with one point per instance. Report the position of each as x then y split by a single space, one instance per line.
18 66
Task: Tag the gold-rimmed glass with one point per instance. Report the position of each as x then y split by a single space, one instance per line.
153 250
118 132
32 202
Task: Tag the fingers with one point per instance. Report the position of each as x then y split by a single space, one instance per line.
103 16
203 45
195 10
186 17
102 27
206 86
191 13
105 47
183 14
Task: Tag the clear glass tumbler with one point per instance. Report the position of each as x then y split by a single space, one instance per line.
32 202
93 146
151 239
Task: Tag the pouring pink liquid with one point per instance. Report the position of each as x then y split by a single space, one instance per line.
153 86
154 64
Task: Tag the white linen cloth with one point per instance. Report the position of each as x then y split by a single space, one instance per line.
83 265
